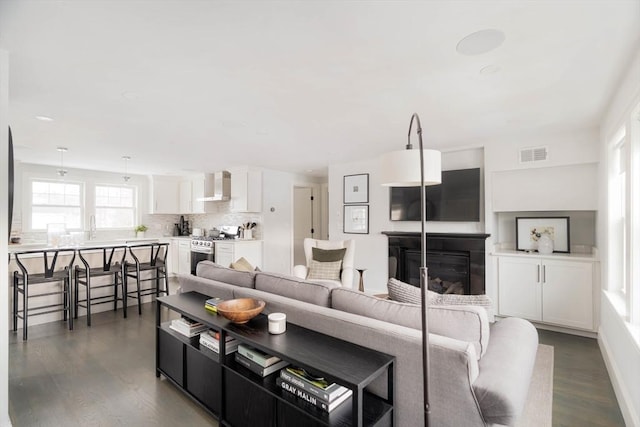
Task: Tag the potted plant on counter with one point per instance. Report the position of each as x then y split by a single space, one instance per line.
140 230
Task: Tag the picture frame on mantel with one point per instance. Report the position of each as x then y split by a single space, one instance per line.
356 219
529 230
356 188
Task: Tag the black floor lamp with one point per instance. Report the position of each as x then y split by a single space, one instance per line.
411 168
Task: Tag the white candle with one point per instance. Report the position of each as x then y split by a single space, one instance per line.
277 323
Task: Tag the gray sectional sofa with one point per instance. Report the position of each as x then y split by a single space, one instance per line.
480 372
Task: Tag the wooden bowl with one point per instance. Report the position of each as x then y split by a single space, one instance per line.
241 310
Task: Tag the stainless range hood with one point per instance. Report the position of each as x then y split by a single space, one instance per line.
217 187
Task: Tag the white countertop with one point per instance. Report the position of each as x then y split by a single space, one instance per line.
39 246
556 255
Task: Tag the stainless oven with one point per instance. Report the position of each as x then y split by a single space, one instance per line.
202 249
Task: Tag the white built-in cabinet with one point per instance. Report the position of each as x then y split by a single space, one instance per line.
246 190
164 193
554 289
192 189
227 252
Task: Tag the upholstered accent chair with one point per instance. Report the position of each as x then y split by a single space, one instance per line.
328 261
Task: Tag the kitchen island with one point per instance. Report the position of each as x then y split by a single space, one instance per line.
31 256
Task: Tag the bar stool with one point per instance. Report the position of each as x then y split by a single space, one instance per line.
85 275
24 280
156 266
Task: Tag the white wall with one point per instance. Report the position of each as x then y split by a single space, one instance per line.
4 273
620 348
277 213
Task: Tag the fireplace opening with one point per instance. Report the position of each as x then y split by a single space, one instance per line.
448 272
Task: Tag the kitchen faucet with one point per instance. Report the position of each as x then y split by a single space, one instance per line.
92 227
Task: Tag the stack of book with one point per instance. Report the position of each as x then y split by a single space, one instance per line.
212 304
187 327
257 361
211 340
312 389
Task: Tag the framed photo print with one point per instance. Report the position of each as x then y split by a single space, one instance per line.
356 219
356 188
529 230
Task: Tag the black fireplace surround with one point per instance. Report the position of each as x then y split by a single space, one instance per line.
451 257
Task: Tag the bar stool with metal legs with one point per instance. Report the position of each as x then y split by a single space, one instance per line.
24 281
148 258
85 275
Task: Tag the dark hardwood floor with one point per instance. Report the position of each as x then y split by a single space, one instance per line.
104 376
582 391
98 376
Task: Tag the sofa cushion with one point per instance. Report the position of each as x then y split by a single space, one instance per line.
465 323
327 255
318 293
210 270
352 301
328 270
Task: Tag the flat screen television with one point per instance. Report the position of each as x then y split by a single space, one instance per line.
456 199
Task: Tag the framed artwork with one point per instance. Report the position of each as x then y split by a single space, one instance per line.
356 219
356 188
529 230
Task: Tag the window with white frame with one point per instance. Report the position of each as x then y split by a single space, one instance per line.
56 202
634 206
115 206
624 216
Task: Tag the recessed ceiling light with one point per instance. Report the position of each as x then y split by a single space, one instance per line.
480 42
44 118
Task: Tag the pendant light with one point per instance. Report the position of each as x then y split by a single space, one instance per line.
126 176
62 171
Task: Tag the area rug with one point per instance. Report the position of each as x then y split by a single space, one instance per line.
539 406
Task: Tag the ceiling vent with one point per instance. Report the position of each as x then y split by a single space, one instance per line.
536 154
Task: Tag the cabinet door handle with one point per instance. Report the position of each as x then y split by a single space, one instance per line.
544 273
538 280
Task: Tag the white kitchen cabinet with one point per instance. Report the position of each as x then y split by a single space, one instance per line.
227 252
184 256
555 291
246 191
192 189
164 195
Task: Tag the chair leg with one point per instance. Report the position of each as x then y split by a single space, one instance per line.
139 295
65 299
68 292
88 302
76 287
115 291
125 291
15 301
25 307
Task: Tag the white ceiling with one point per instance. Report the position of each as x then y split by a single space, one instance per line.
297 85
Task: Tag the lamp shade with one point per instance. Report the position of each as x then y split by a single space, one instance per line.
402 168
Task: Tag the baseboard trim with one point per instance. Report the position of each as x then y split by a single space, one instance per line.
631 418
588 334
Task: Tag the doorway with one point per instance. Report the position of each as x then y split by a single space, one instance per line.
302 221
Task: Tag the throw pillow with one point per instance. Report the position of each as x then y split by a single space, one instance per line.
324 270
404 292
328 255
242 265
